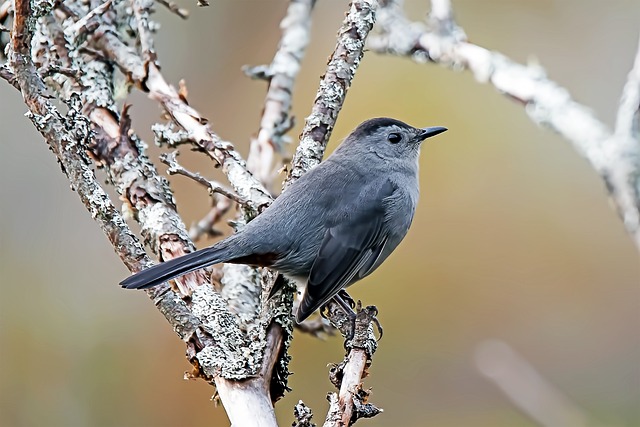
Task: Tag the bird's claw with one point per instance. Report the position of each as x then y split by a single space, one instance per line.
347 298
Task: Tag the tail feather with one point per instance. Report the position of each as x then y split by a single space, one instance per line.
168 270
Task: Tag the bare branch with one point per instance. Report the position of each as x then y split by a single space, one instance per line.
341 69
281 74
334 85
116 148
628 118
216 346
175 168
547 103
248 402
441 10
520 382
6 74
173 7
147 75
67 136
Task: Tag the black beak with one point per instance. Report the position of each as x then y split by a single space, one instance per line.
429 132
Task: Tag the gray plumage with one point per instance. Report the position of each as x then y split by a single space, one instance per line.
334 225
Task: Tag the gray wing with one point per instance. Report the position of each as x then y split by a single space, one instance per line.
348 252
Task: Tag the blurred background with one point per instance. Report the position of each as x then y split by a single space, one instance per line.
514 249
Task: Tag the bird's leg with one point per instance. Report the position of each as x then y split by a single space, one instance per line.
347 303
347 298
340 314
343 298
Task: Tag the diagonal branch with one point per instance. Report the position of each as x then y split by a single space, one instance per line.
334 85
214 187
616 160
628 118
146 74
350 404
68 136
519 381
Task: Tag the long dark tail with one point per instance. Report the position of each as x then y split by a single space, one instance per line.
168 270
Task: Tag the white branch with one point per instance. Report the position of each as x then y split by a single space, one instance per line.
526 388
628 118
281 74
615 159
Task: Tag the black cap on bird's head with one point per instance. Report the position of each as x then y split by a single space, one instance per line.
381 124
390 137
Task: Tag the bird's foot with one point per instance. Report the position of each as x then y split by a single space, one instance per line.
362 335
347 298
351 324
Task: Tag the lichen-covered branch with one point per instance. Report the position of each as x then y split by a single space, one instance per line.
68 137
234 337
440 40
351 402
146 74
216 345
334 85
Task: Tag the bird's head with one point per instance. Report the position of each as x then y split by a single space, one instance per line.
389 139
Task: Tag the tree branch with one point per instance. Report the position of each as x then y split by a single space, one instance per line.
334 85
217 347
351 402
67 136
519 381
147 75
443 42
276 120
214 187
628 118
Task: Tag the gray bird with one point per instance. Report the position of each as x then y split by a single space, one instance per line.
333 226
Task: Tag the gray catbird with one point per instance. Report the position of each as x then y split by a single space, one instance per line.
334 225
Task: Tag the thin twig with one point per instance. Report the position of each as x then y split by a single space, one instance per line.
205 226
6 74
173 7
303 415
175 168
53 69
147 75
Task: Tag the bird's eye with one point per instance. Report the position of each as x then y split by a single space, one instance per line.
394 138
